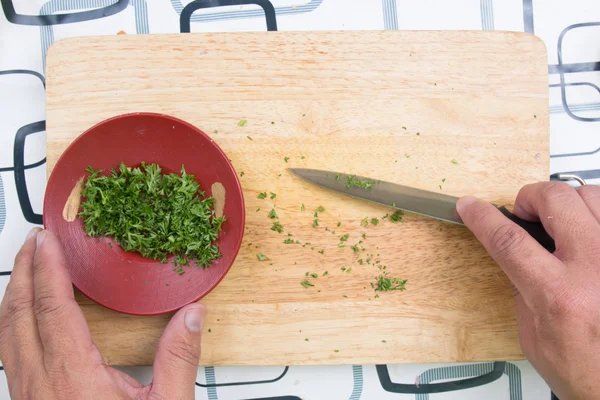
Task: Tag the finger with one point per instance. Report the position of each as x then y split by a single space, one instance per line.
178 354
20 343
61 324
591 197
526 263
563 213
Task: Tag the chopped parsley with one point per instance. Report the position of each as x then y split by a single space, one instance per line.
404 127
374 221
355 248
302 158
321 251
386 284
339 224
325 273
320 209
338 176
277 227
344 237
215 131
302 208
273 195
249 138
262 195
272 122
242 174
286 159
453 161
273 214
306 284
131 207
314 275
288 241
242 122
353 181
364 222
443 180
315 223
397 216
261 257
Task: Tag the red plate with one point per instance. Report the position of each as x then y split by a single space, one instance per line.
123 281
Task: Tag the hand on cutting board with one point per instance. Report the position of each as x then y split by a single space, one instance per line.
557 295
47 350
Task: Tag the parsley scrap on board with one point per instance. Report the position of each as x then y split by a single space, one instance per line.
151 213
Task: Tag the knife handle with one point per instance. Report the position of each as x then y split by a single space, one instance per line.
535 229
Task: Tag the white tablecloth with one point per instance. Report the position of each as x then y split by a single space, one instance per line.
571 31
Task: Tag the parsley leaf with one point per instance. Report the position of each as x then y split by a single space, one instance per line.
262 195
261 257
242 122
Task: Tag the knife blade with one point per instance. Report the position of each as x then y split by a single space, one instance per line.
430 204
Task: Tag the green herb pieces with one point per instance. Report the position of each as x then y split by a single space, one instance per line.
383 341
302 208
258 209
273 195
242 174
338 176
339 224
321 251
397 216
443 180
302 158
404 127
315 223
288 241
386 284
306 340
262 195
374 221
355 248
364 222
249 138
314 275
353 181
286 159
215 131
364 235
272 122
306 284
453 161
320 209
344 237
131 206
325 273
273 214
261 257
336 351
242 122
277 227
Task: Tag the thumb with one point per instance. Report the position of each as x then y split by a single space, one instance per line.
178 354
527 264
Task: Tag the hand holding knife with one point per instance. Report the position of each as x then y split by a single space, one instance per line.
435 205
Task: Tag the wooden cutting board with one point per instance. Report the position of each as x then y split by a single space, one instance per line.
396 106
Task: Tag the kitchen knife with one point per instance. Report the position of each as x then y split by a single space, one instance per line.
430 204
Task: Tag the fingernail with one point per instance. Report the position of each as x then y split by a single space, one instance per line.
32 233
194 318
41 236
465 202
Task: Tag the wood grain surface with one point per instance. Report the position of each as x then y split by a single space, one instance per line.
396 106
